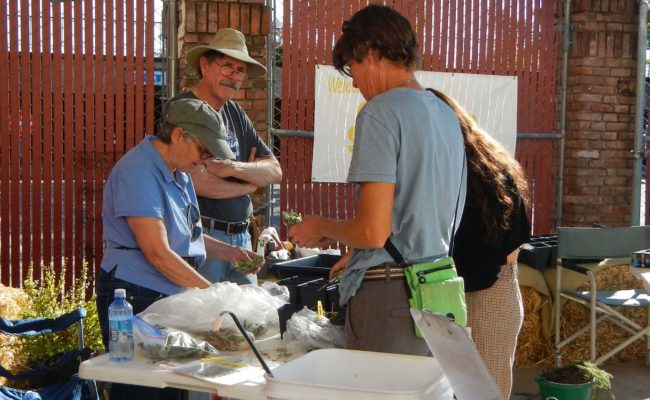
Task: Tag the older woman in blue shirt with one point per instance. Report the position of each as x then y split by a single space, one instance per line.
152 226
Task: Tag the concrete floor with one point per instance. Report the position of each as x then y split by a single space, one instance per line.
631 382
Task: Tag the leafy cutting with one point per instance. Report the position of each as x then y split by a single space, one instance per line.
291 218
245 266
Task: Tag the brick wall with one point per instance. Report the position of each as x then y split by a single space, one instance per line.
600 114
198 22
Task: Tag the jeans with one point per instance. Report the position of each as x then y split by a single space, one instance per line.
219 270
140 298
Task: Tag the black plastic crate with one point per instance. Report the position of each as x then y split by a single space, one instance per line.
263 273
284 314
535 254
540 252
293 283
317 266
310 294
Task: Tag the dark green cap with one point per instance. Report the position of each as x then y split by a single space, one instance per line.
198 117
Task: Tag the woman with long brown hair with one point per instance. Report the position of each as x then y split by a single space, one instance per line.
493 226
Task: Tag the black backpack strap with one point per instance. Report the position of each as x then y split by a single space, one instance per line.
397 256
401 262
460 189
390 247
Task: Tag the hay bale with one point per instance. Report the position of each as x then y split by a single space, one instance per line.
11 303
575 316
533 349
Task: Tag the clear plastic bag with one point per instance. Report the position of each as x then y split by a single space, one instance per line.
196 311
167 343
313 332
275 290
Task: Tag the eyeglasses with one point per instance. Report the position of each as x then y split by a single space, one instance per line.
360 37
228 70
193 218
346 27
204 153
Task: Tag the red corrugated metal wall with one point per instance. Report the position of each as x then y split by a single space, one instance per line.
73 99
494 37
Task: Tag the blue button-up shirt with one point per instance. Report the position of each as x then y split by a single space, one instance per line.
141 185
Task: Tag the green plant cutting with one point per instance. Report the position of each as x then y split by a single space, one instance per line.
291 217
245 266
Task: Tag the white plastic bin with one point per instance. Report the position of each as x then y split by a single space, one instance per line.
336 374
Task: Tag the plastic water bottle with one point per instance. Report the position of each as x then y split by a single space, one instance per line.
120 316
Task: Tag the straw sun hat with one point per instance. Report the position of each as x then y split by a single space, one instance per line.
230 42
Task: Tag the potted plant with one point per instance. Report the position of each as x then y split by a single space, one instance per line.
574 382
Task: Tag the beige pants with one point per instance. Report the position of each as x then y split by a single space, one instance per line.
495 316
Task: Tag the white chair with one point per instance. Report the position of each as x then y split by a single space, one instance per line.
576 245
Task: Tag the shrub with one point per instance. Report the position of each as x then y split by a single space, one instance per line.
48 298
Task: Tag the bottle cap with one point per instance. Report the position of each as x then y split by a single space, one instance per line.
120 293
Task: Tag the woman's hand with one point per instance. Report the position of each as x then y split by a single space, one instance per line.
341 264
246 261
218 250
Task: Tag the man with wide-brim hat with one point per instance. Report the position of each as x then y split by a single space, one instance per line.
231 43
224 186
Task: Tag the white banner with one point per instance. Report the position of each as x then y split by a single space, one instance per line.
490 99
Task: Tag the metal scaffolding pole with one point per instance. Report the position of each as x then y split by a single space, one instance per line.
639 145
566 44
172 47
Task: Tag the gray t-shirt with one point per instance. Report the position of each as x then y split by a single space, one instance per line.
413 139
241 137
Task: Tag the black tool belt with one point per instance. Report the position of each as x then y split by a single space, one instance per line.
230 228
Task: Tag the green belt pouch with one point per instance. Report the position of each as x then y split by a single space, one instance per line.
435 286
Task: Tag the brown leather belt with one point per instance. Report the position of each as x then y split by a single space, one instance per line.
230 228
378 273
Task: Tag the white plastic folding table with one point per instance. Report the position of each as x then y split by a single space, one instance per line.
144 372
458 370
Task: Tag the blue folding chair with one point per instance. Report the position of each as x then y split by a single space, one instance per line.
583 245
68 385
